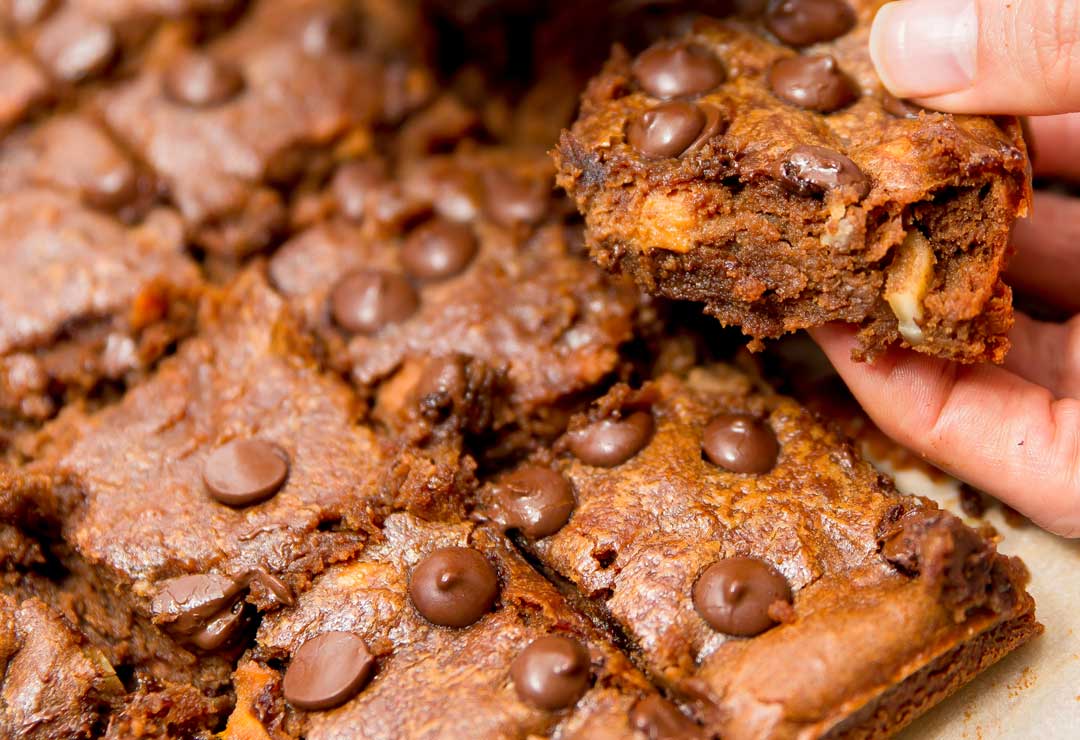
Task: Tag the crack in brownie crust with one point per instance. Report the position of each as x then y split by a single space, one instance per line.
784 188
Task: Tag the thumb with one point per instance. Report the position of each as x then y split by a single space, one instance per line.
981 56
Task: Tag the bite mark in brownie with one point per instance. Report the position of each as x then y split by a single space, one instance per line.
727 535
86 300
528 665
784 188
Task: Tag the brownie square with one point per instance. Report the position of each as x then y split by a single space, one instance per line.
759 167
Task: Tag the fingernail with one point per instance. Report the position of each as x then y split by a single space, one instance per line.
923 48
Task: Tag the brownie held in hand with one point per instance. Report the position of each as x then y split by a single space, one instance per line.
759 166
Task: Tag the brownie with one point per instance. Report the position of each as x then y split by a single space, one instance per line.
463 259
759 166
221 127
26 86
518 660
87 300
731 538
53 683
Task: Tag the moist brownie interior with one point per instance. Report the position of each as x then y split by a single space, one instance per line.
319 420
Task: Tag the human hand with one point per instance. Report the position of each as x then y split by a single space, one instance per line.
1013 431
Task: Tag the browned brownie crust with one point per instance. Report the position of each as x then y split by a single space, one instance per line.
898 221
883 584
86 300
431 681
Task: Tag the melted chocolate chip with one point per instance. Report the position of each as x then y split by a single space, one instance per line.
365 301
438 249
202 81
443 383
551 673
658 719
221 629
667 130
243 472
536 501
899 107
453 586
327 671
814 170
740 443
330 31
674 69
805 22
610 442
811 82
204 610
513 200
734 595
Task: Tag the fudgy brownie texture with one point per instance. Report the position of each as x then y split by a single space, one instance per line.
228 124
466 260
758 166
517 662
86 300
728 536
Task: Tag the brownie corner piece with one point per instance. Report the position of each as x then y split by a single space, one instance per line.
759 167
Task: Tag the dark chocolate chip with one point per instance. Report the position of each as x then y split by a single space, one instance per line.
899 107
28 12
715 125
327 671
805 22
453 586
536 501
610 442
674 69
734 595
514 200
438 249
245 471
551 673
202 81
275 586
221 629
365 301
112 187
667 130
658 719
811 82
84 54
329 31
188 602
814 170
443 382
740 443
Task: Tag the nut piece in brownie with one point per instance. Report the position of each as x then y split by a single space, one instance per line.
53 683
86 300
274 99
462 259
441 631
218 486
731 537
762 169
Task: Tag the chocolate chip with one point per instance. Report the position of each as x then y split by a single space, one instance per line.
811 82
274 586
536 501
330 31
112 187
740 443
805 22
443 382
734 595
899 107
513 200
365 301
814 170
327 671
221 629
202 81
610 442
438 249
354 186
453 586
667 130
245 471
188 602
551 673
673 70
658 719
